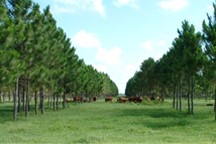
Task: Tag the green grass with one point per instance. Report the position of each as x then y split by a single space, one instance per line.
100 122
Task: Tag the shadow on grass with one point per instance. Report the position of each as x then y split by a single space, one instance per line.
157 118
152 112
6 113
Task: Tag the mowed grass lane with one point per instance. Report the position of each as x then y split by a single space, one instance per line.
102 122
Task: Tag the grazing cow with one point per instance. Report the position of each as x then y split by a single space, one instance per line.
68 100
84 99
108 99
77 99
94 99
146 98
122 100
159 98
152 98
135 99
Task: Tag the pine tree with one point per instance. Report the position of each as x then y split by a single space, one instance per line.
189 44
209 34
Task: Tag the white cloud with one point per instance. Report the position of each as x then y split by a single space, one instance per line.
150 45
101 67
130 3
76 6
147 45
210 8
161 42
99 7
154 48
85 39
109 57
173 5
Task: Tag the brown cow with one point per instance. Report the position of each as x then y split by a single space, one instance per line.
122 100
108 99
135 99
94 99
77 99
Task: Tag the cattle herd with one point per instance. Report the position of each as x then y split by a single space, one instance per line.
81 99
135 99
138 99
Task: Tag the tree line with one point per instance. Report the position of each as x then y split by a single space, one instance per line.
187 70
38 62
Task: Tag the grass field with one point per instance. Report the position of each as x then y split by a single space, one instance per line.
102 122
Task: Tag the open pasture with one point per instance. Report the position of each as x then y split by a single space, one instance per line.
100 122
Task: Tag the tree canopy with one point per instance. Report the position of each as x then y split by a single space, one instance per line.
186 70
37 57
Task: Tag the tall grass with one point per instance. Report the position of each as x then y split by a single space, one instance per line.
101 122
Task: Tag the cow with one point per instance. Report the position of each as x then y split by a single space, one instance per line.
68 100
135 99
152 98
84 99
146 98
108 99
122 100
94 99
77 99
159 98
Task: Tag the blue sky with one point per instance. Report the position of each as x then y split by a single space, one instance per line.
115 36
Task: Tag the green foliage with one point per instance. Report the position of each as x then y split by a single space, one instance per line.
209 36
143 80
179 65
210 42
37 53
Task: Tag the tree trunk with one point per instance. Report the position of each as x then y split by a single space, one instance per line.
23 97
57 101
25 103
180 96
177 98
206 94
36 103
49 100
27 98
54 102
189 92
0 97
64 100
215 103
9 96
15 99
19 101
192 95
174 93
42 100
3 97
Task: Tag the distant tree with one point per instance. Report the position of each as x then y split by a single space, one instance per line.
148 80
143 81
133 86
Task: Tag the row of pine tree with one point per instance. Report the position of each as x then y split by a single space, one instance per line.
38 62
185 71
